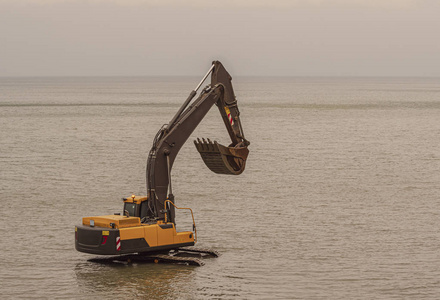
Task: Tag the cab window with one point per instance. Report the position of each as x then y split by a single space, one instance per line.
131 208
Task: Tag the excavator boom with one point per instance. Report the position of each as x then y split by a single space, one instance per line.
218 158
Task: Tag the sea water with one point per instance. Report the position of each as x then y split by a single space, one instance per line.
340 197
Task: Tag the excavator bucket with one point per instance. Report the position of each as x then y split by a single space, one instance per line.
221 159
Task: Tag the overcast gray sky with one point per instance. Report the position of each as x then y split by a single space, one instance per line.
261 38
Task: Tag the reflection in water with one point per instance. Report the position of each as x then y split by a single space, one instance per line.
146 280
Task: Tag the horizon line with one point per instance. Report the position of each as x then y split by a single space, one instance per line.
250 76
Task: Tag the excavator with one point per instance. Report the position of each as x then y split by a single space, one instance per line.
147 226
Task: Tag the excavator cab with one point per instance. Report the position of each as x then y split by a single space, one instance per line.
135 206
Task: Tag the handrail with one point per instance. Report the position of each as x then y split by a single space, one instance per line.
192 215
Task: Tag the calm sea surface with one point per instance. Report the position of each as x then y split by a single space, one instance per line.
340 198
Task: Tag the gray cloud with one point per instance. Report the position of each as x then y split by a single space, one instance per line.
135 37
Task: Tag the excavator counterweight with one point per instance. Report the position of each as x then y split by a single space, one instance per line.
147 224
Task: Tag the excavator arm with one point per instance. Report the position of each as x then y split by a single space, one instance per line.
170 138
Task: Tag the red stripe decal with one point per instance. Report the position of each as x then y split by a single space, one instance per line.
118 243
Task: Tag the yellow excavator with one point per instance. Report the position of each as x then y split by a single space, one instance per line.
147 226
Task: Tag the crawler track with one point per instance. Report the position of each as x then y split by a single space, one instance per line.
208 251
177 256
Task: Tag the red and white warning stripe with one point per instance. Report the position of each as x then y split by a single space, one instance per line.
118 243
228 112
230 119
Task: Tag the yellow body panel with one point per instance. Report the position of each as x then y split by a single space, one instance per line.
155 235
150 234
183 237
119 221
132 233
165 236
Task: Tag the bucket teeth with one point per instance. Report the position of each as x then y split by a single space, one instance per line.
206 146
